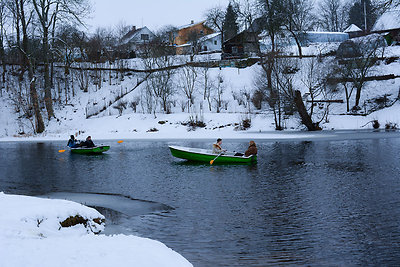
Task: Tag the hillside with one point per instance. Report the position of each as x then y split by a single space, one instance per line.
124 104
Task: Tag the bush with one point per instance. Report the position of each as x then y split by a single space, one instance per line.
152 130
257 99
391 126
243 125
194 122
375 124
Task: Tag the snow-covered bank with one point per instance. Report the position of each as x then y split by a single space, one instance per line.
224 125
31 235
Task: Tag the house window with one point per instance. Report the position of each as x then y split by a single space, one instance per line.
144 37
205 48
215 42
235 50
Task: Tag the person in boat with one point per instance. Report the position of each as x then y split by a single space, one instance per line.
217 149
251 150
72 142
88 143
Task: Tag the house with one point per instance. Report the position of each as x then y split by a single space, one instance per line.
312 37
353 31
136 39
389 25
246 43
210 43
189 34
243 44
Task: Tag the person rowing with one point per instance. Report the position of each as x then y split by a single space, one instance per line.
216 148
72 142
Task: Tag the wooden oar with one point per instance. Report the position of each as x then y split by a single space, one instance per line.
212 161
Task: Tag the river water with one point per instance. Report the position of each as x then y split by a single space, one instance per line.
333 199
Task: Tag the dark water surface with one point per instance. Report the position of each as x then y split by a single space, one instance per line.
322 202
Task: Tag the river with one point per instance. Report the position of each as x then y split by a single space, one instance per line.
333 199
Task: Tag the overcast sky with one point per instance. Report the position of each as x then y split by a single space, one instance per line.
151 13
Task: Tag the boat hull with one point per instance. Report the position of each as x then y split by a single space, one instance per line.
91 150
202 155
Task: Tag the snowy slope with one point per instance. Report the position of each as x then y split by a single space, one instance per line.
235 85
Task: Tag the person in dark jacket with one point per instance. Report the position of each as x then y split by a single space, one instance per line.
88 142
251 150
72 142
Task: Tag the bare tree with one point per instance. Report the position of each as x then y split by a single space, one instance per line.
332 15
206 84
19 6
314 78
215 20
3 15
219 90
391 3
48 13
159 64
354 71
187 83
298 19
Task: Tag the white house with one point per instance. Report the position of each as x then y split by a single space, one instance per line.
210 43
136 38
311 37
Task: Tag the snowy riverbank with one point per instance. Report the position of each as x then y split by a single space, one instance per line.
31 235
170 126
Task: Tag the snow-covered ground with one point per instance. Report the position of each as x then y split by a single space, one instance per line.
31 235
235 83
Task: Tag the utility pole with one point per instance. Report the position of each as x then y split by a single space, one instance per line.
365 16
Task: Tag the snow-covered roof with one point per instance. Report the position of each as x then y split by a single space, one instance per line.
352 28
325 37
389 20
133 33
184 45
190 25
208 37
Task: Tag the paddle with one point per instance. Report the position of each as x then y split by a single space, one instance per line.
212 161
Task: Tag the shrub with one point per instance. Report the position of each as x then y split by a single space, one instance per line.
243 125
152 130
391 126
257 99
375 124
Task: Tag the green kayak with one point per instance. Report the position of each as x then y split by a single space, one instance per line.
204 155
90 150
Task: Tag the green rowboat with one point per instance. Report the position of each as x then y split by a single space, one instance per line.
90 150
204 155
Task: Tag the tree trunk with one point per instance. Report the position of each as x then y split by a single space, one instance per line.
305 117
47 83
358 96
297 43
34 98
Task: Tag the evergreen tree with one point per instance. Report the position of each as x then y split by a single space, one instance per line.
230 27
357 15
